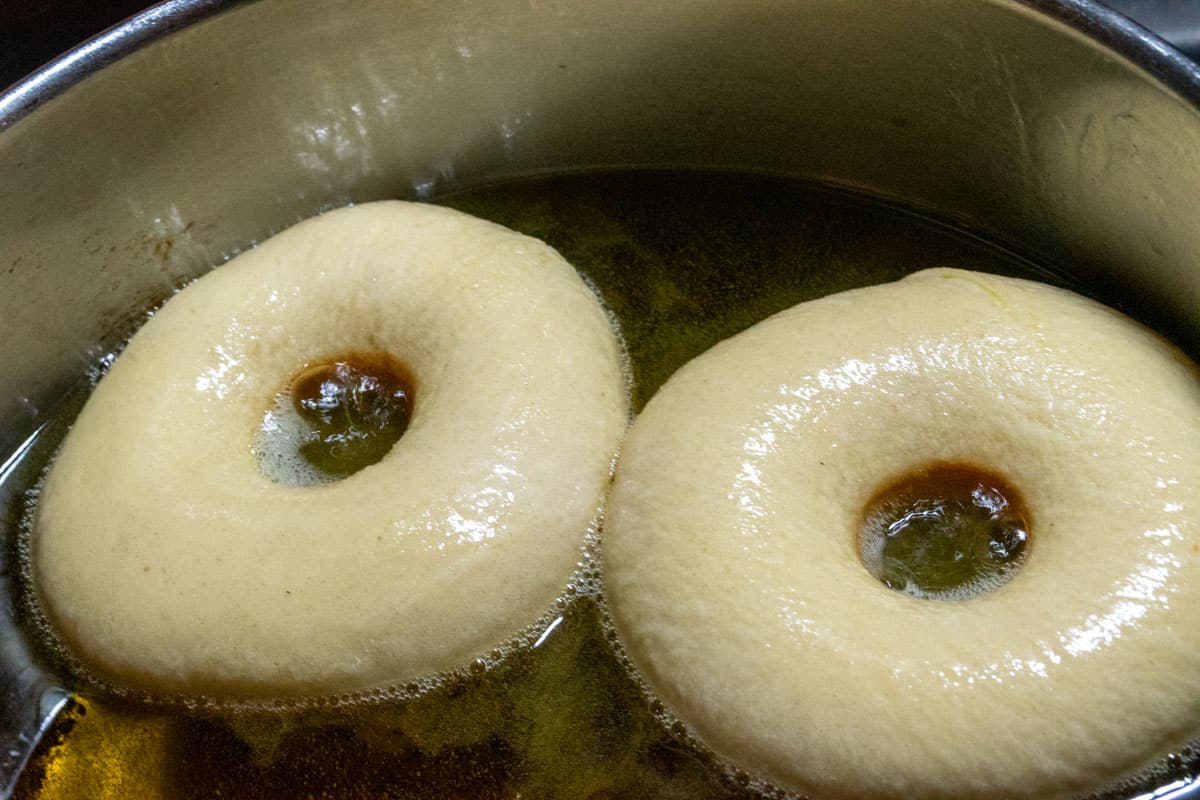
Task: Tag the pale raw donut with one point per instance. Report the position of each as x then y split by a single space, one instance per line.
735 583
168 562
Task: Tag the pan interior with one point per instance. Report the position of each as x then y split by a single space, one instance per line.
683 260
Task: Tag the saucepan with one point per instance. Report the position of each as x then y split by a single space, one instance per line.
1054 129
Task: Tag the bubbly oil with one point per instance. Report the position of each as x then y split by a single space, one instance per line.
683 260
335 418
944 531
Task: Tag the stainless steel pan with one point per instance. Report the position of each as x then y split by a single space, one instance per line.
194 130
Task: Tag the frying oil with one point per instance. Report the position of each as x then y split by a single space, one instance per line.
683 260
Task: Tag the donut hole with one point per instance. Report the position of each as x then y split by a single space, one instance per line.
945 531
334 418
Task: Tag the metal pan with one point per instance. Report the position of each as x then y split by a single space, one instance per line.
161 147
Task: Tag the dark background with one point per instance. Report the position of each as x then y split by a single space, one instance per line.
33 32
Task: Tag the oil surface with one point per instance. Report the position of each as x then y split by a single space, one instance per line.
946 531
683 260
335 418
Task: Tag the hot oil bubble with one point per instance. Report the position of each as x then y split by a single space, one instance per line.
944 531
278 443
335 418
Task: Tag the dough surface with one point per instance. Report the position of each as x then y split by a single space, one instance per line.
166 560
736 587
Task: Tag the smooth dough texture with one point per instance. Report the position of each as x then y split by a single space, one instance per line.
168 562
734 580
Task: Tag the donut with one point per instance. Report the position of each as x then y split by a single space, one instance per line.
173 552
742 538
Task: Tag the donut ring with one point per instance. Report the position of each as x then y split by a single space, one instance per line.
168 562
735 585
